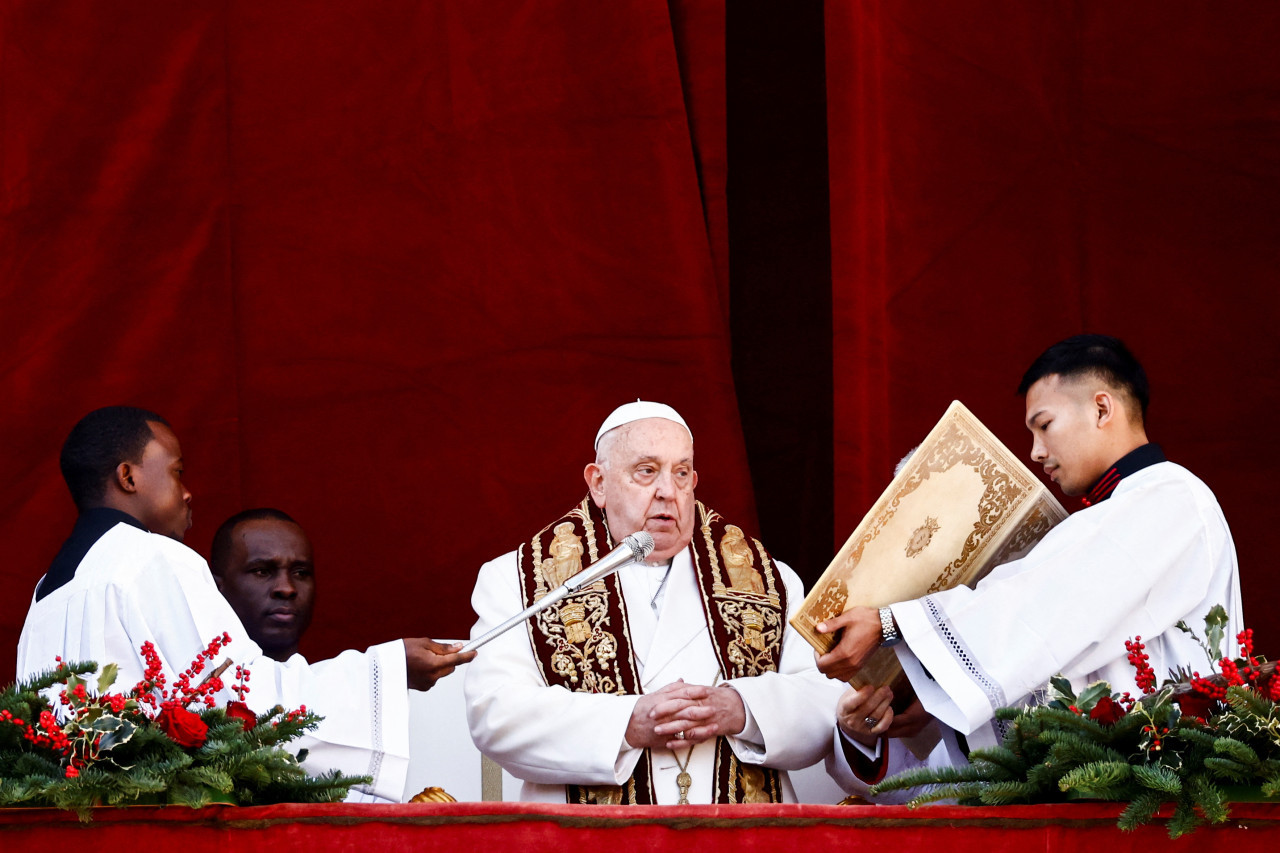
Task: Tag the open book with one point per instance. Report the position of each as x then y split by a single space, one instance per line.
961 505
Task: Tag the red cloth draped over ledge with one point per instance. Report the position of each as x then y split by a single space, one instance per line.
710 829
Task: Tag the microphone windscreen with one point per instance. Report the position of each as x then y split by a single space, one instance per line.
641 544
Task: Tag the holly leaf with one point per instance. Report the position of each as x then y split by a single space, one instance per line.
1063 686
114 731
1091 694
1215 626
107 677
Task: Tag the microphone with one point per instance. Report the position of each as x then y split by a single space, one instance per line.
633 549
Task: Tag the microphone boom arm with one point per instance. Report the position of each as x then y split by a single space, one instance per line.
641 544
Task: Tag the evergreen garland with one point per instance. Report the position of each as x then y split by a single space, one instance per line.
1179 744
87 747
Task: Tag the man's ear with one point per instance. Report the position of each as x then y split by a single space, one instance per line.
1104 406
594 475
124 478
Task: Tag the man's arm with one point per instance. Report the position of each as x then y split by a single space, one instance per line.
859 636
866 754
427 661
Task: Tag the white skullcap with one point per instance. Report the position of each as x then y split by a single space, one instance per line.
638 411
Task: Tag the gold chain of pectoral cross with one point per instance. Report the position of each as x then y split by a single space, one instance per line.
684 780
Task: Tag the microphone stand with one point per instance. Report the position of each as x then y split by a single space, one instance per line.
641 544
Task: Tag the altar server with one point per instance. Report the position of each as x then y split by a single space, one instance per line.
1150 548
124 578
674 681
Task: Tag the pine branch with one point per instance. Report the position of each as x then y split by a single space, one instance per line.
1002 757
1227 768
1157 778
965 793
1073 748
1106 780
1208 798
921 776
1005 793
1185 818
1141 810
1235 750
1246 702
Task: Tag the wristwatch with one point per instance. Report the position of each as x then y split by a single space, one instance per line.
889 635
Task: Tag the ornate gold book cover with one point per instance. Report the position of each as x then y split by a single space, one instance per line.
961 505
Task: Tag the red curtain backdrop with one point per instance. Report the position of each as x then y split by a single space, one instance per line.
384 266
387 267
1005 174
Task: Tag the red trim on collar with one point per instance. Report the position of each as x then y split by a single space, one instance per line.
1103 488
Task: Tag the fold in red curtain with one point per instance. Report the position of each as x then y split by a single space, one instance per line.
1008 174
386 267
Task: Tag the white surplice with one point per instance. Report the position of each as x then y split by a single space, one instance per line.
133 586
551 737
1156 552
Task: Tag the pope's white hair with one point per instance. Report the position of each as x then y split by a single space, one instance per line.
604 448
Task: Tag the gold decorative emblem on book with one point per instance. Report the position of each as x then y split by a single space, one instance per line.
921 537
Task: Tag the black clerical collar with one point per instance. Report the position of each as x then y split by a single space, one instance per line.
91 526
1131 463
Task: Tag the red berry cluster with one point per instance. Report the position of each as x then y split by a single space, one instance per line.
1144 675
1157 735
49 734
153 679
1208 689
152 689
241 686
1231 672
292 716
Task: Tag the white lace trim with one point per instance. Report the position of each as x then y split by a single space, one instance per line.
376 751
964 657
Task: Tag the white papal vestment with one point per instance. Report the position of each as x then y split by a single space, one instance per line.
551 737
133 586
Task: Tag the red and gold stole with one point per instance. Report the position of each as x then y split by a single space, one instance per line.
583 643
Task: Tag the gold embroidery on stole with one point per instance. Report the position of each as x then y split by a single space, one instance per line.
584 642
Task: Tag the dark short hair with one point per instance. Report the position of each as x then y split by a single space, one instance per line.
97 444
1102 356
220 552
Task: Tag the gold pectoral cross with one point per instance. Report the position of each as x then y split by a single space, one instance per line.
684 780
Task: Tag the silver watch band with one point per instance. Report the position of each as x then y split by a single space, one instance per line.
889 635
